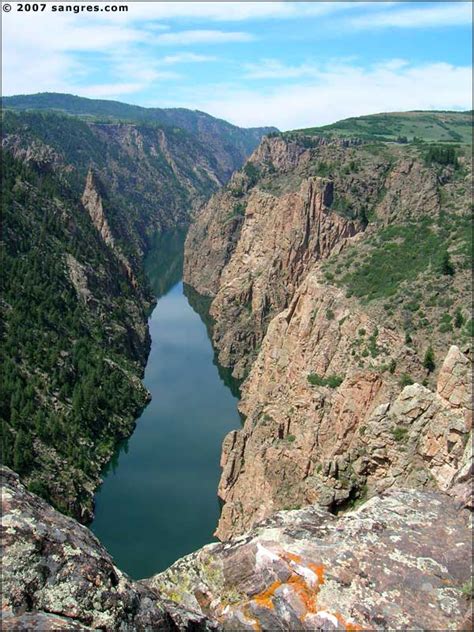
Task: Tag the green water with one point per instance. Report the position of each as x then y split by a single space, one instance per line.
158 501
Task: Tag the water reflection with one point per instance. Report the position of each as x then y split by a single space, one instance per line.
164 261
158 501
201 305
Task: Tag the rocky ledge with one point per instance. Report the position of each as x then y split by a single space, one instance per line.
57 576
401 561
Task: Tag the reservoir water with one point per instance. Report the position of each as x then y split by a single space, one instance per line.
159 499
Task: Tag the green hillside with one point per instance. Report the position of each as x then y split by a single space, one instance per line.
418 125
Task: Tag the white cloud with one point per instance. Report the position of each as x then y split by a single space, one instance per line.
341 91
442 15
239 11
185 38
186 58
273 69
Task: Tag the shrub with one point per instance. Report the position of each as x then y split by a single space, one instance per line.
405 380
290 438
333 381
400 433
445 327
252 172
429 360
329 314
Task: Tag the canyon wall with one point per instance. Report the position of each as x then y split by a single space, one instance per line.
325 262
82 200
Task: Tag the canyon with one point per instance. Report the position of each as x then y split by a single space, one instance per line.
332 271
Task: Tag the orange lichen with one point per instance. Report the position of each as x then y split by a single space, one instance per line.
318 570
349 627
265 598
292 557
304 592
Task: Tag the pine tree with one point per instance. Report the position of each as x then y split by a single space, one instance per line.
459 319
429 360
22 453
447 267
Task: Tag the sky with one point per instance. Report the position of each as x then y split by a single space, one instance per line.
288 64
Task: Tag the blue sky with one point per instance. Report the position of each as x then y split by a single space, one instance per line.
289 64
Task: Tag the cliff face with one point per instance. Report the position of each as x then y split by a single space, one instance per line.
293 204
303 444
330 291
299 570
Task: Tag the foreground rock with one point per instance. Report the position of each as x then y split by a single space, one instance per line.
397 563
57 576
402 561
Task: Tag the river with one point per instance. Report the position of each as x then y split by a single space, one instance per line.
159 499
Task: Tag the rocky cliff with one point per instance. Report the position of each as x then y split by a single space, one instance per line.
338 274
299 570
304 443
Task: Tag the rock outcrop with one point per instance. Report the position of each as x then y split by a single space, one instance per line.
93 203
402 561
306 442
57 576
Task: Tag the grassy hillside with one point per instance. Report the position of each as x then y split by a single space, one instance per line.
402 126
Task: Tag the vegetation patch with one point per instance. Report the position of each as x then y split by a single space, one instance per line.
333 381
399 255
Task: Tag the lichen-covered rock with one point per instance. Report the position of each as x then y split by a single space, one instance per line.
57 576
401 561
397 563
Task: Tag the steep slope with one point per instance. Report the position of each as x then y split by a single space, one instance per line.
152 178
333 302
82 202
230 145
74 337
299 570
